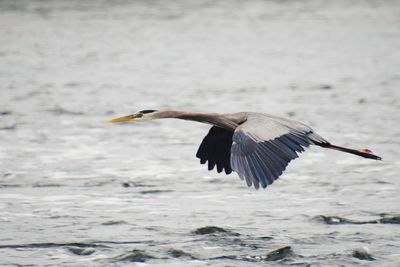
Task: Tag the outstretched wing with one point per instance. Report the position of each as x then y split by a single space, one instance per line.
216 149
264 145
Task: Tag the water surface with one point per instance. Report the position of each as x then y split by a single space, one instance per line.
76 191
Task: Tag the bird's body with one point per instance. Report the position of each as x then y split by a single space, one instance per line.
257 146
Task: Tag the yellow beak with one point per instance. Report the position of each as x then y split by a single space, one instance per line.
129 118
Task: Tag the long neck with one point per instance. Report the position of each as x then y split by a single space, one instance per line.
214 119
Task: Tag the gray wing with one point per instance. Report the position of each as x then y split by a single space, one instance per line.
264 145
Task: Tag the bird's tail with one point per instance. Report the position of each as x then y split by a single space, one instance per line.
365 153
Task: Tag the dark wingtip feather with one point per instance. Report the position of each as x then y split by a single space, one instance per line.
216 149
228 171
211 164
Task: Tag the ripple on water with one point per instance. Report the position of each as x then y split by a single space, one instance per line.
108 183
279 254
51 245
340 220
228 238
213 230
5 112
62 111
81 251
156 191
362 254
114 223
178 253
135 255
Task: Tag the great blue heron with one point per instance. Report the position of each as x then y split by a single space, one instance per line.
257 146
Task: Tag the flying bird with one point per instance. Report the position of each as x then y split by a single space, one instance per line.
257 146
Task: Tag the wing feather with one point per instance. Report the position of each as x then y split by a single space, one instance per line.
267 171
269 164
253 172
291 143
247 172
289 151
261 173
260 148
264 145
216 149
275 156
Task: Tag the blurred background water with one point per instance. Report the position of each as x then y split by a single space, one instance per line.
76 191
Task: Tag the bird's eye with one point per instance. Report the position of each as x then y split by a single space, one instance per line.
146 111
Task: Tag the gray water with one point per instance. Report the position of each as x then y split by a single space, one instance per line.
76 191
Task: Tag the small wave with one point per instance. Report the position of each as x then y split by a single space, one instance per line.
279 254
135 256
325 87
335 220
362 254
225 237
72 84
266 238
51 245
178 253
81 251
390 220
46 185
340 220
213 230
114 222
10 127
61 111
154 191
32 185
275 255
10 185
5 112
135 184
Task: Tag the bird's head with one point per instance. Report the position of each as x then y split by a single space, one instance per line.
142 115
